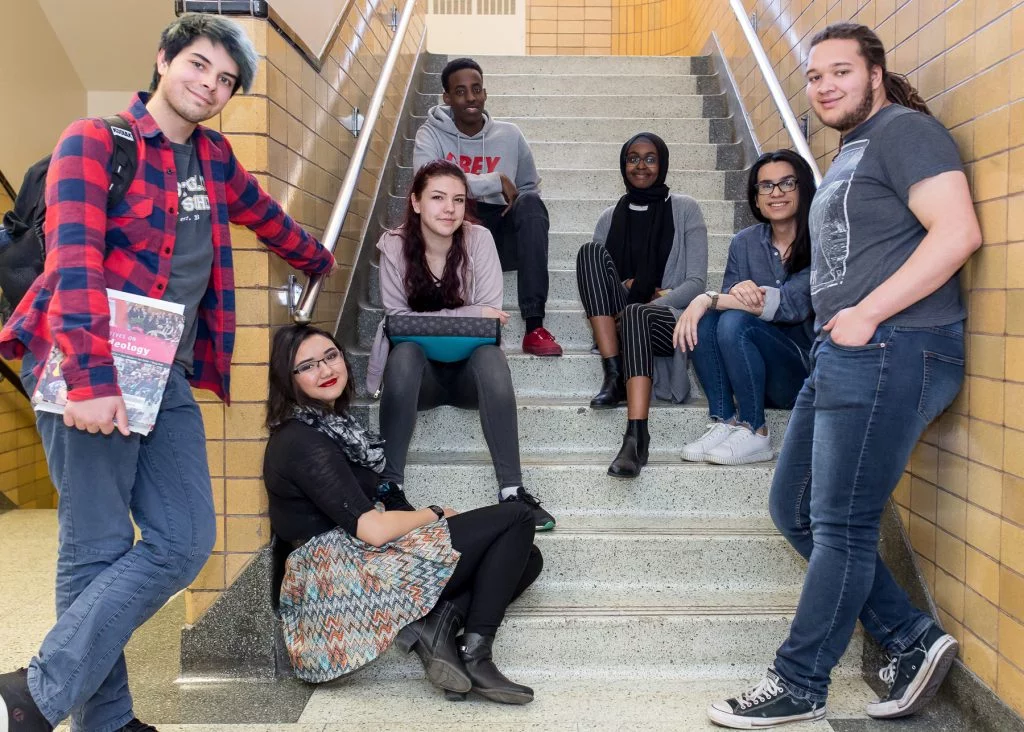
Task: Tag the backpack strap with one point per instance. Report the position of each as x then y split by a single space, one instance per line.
124 161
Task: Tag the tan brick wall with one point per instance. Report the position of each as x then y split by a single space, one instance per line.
962 498
569 27
23 476
287 133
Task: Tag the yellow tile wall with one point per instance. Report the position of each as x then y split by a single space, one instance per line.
962 497
288 134
23 476
569 27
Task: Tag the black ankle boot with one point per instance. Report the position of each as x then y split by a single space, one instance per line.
488 681
613 388
633 453
433 639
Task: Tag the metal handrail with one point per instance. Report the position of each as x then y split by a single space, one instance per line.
775 88
307 301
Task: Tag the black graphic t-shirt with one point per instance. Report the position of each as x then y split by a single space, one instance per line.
193 247
862 230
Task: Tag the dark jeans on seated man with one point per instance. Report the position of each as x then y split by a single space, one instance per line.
521 237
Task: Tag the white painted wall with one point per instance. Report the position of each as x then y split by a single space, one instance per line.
468 35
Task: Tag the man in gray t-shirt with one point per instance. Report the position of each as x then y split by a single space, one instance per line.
862 230
891 226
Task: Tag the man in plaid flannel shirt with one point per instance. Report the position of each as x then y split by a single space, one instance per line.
168 239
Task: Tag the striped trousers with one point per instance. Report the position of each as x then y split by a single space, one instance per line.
645 330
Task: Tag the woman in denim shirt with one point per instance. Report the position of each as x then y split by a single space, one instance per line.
751 342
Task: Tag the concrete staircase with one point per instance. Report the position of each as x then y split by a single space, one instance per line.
678 576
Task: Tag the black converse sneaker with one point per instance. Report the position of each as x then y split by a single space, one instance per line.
768 704
915 675
18 711
544 521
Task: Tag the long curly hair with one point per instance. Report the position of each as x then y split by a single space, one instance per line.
800 253
419 283
897 89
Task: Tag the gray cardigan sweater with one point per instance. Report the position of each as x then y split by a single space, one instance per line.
686 274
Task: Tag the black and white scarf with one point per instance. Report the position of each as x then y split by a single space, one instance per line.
360 446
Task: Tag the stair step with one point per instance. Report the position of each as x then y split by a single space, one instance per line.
581 214
563 290
672 130
564 245
526 83
606 642
550 426
621 106
577 489
569 325
608 702
563 65
704 185
605 156
573 375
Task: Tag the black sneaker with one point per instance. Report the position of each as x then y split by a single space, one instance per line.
543 520
915 675
18 711
768 704
393 497
137 725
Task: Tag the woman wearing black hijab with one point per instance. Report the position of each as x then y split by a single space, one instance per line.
648 260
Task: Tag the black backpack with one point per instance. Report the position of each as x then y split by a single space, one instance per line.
21 259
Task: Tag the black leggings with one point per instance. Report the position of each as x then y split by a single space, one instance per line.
645 330
412 383
498 562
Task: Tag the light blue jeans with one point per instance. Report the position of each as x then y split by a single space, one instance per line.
855 423
107 583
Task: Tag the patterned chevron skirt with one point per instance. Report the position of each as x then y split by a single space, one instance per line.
343 601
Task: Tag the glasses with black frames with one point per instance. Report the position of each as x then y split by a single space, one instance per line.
786 185
649 159
306 366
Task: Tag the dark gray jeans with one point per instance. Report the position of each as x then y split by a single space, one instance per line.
413 383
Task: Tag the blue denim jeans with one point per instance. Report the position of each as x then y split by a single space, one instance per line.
740 356
856 420
107 583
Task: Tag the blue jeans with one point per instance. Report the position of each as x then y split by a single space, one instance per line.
856 420
739 355
107 583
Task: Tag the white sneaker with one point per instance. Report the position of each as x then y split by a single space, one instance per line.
741 447
696 451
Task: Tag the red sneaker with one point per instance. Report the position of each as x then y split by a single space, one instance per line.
539 342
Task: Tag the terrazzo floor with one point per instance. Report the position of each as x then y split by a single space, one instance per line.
27 552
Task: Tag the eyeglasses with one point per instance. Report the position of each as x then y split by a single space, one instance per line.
786 185
649 160
306 366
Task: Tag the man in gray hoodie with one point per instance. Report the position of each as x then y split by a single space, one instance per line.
504 184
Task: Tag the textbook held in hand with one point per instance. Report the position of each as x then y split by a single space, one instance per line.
144 335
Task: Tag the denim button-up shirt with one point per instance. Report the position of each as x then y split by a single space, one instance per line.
787 300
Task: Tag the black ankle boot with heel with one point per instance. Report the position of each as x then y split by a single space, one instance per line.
633 453
613 388
433 639
488 681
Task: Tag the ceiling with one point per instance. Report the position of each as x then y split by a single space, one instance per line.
111 43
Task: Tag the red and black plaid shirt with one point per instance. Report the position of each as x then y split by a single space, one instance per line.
89 249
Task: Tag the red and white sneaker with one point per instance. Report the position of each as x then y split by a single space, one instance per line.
538 342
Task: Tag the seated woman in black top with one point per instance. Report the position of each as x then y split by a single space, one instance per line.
322 471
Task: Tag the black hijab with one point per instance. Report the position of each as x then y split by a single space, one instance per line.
640 241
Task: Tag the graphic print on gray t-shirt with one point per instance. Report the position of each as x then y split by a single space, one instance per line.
193 247
862 228
831 219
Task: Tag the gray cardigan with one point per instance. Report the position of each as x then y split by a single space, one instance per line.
686 274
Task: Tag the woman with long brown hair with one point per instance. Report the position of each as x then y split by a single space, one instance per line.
440 263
